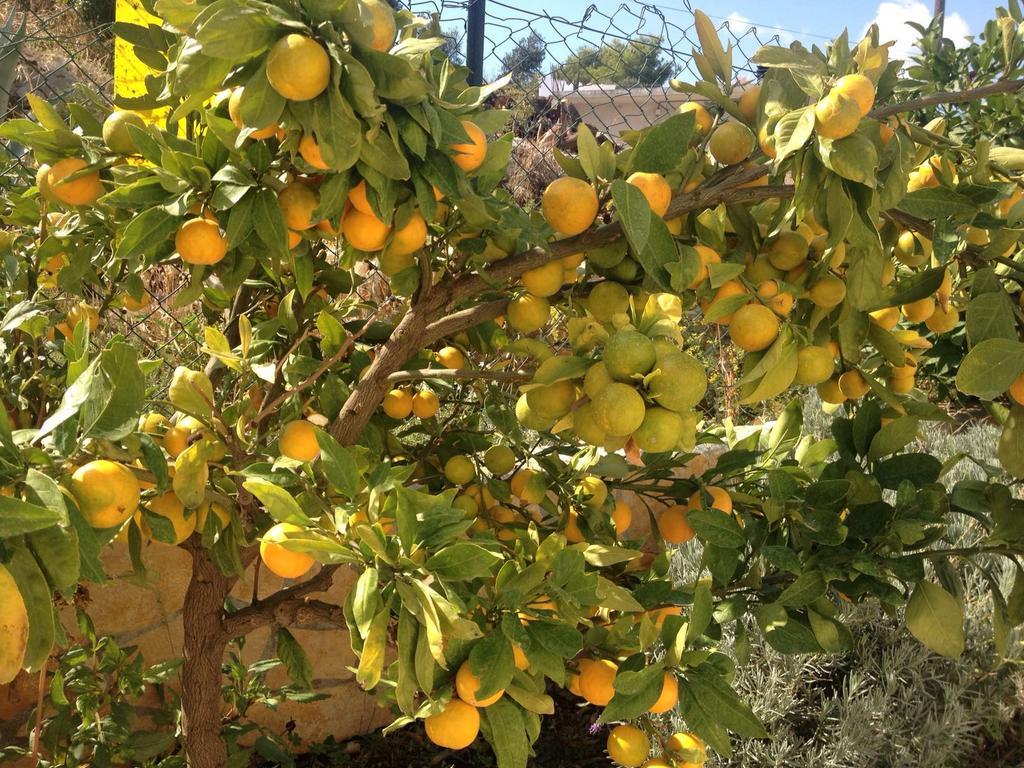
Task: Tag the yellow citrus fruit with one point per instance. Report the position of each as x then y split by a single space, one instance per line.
454 727
545 280
298 202
830 393
943 320
901 385
657 762
628 746
235 113
814 364
787 250
168 505
618 410
659 432
766 140
115 131
596 378
470 155
175 440
747 103
552 401
720 499
569 205
754 327
529 419
701 116
425 404
760 270
853 385
397 403
364 230
392 263
907 251
282 561
596 678
499 459
357 197
828 292
592 490
528 486
384 26
203 511
725 290
200 241
450 357
655 189
107 493
681 383
83 190
629 353
607 299
528 313
707 256
585 428
411 237
298 441
298 67
459 470
622 517
669 696
886 317
152 423
14 621
132 304
1016 390
836 116
309 150
919 311
467 684
78 313
673 526
859 89
687 746
731 143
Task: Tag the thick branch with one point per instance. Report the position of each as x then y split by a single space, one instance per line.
280 607
948 97
459 374
463 320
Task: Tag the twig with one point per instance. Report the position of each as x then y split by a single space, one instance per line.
948 97
467 374
38 729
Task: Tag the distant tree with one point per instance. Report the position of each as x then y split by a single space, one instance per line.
452 47
629 64
526 58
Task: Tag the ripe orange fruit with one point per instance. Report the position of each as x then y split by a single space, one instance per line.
297 202
943 320
298 441
168 505
357 197
298 67
569 205
596 678
454 727
467 684
199 241
859 89
425 404
622 517
470 155
83 190
673 526
107 493
364 230
235 113
707 256
836 116
310 152
628 746
828 292
1016 390
725 290
384 26
409 238
748 103
687 745
669 696
830 393
853 385
754 327
450 357
655 188
397 404
720 499
701 116
279 560
814 364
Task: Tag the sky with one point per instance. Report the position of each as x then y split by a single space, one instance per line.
810 21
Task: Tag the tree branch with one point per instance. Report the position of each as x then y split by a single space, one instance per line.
948 97
459 374
280 607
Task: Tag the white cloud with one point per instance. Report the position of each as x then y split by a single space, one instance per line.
740 24
892 18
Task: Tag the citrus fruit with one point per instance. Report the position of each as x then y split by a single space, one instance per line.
592 490
673 526
859 89
309 150
830 393
627 354
391 263
282 561
364 230
747 103
454 727
545 280
298 441
687 746
726 290
499 459
707 256
701 116
471 154
618 409
720 499
853 385
655 189
450 357
203 511
787 250
659 432
814 364
107 493
586 428
1016 390
235 113
14 621
459 469
628 746
681 383
467 685
731 143
596 378
596 678
409 238
384 26
357 197
943 320
606 300
425 404
569 205
552 401
298 67
836 116
669 696
754 327
169 506
199 241
397 403
528 313
528 486
529 419
298 202
622 517
83 190
115 131
828 292
760 270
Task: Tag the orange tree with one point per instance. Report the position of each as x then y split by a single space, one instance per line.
471 404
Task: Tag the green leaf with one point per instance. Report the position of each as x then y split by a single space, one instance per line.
990 316
701 612
491 660
38 603
663 146
295 660
269 221
635 693
990 367
505 729
716 527
18 517
808 587
191 475
116 394
648 237
935 618
462 561
704 689
279 503
792 132
338 464
893 437
56 550
372 657
145 231
366 601
191 392
918 468
937 203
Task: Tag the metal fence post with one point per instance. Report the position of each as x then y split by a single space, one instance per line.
476 15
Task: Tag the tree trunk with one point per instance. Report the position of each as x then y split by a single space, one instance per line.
205 643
